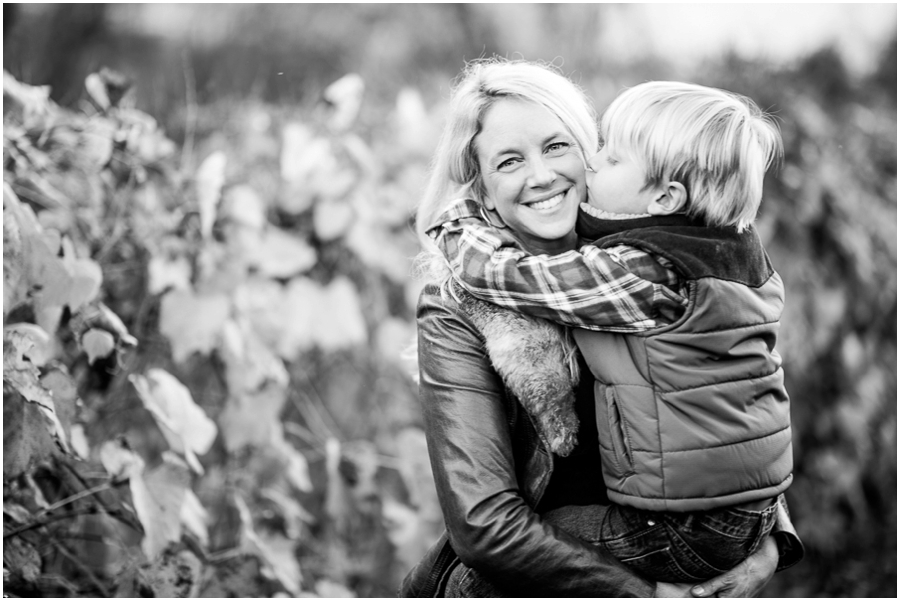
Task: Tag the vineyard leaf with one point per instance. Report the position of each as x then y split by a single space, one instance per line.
165 273
331 219
405 531
96 89
192 322
302 307
97 344
250 364
26 435
415 130
185 425
277 552
158 495
41 349
291 511
340 324
393 337
261 302
85 277
297 471
65 396
15 283
380 249
282 255
42 270
210 178
302 153
194 517
34 101
345 97
20 559
96 144
328 589
120 462
24 377
253 418
243 205
19 370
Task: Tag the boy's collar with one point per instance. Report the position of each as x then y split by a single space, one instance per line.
601 214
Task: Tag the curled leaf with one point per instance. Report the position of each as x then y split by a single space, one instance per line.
97 344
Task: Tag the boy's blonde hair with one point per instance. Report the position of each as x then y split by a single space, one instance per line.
455 169
716 143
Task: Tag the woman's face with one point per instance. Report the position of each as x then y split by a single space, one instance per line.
533 173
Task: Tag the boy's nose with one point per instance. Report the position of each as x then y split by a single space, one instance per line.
592 163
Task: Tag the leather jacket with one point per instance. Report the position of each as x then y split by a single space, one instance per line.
491 469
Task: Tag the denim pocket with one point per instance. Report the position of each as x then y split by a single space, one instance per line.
741 530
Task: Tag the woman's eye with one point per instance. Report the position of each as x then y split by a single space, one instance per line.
507 164
557 147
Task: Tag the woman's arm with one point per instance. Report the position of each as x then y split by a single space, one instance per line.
490 526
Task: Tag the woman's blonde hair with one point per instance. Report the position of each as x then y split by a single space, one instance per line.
455 170
716 143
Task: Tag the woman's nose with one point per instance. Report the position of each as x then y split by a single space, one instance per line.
541 174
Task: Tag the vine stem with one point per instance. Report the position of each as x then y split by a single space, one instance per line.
39 521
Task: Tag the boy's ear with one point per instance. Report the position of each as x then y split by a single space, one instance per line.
670 199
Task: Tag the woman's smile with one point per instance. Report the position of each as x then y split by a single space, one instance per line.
547 204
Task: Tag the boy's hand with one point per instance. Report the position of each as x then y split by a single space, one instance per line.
465 216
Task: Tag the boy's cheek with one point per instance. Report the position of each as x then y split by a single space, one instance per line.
593 185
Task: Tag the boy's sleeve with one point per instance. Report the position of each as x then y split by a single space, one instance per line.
587 288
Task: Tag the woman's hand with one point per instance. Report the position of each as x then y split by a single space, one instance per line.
747 579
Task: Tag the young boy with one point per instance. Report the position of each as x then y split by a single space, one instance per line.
677 308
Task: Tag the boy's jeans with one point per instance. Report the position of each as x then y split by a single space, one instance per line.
684 547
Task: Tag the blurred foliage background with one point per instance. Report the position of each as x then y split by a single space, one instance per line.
208 305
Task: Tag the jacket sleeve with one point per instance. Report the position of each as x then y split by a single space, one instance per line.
790 549
490 526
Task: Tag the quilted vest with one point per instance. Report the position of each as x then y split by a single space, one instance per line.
694 415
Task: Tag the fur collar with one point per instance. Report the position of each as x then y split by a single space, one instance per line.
536 361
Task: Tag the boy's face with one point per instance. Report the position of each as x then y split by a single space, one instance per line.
617 184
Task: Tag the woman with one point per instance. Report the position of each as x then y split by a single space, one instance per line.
520 519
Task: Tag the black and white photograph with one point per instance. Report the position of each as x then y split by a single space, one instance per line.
450 300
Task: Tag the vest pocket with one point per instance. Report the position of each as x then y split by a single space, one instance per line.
617 433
